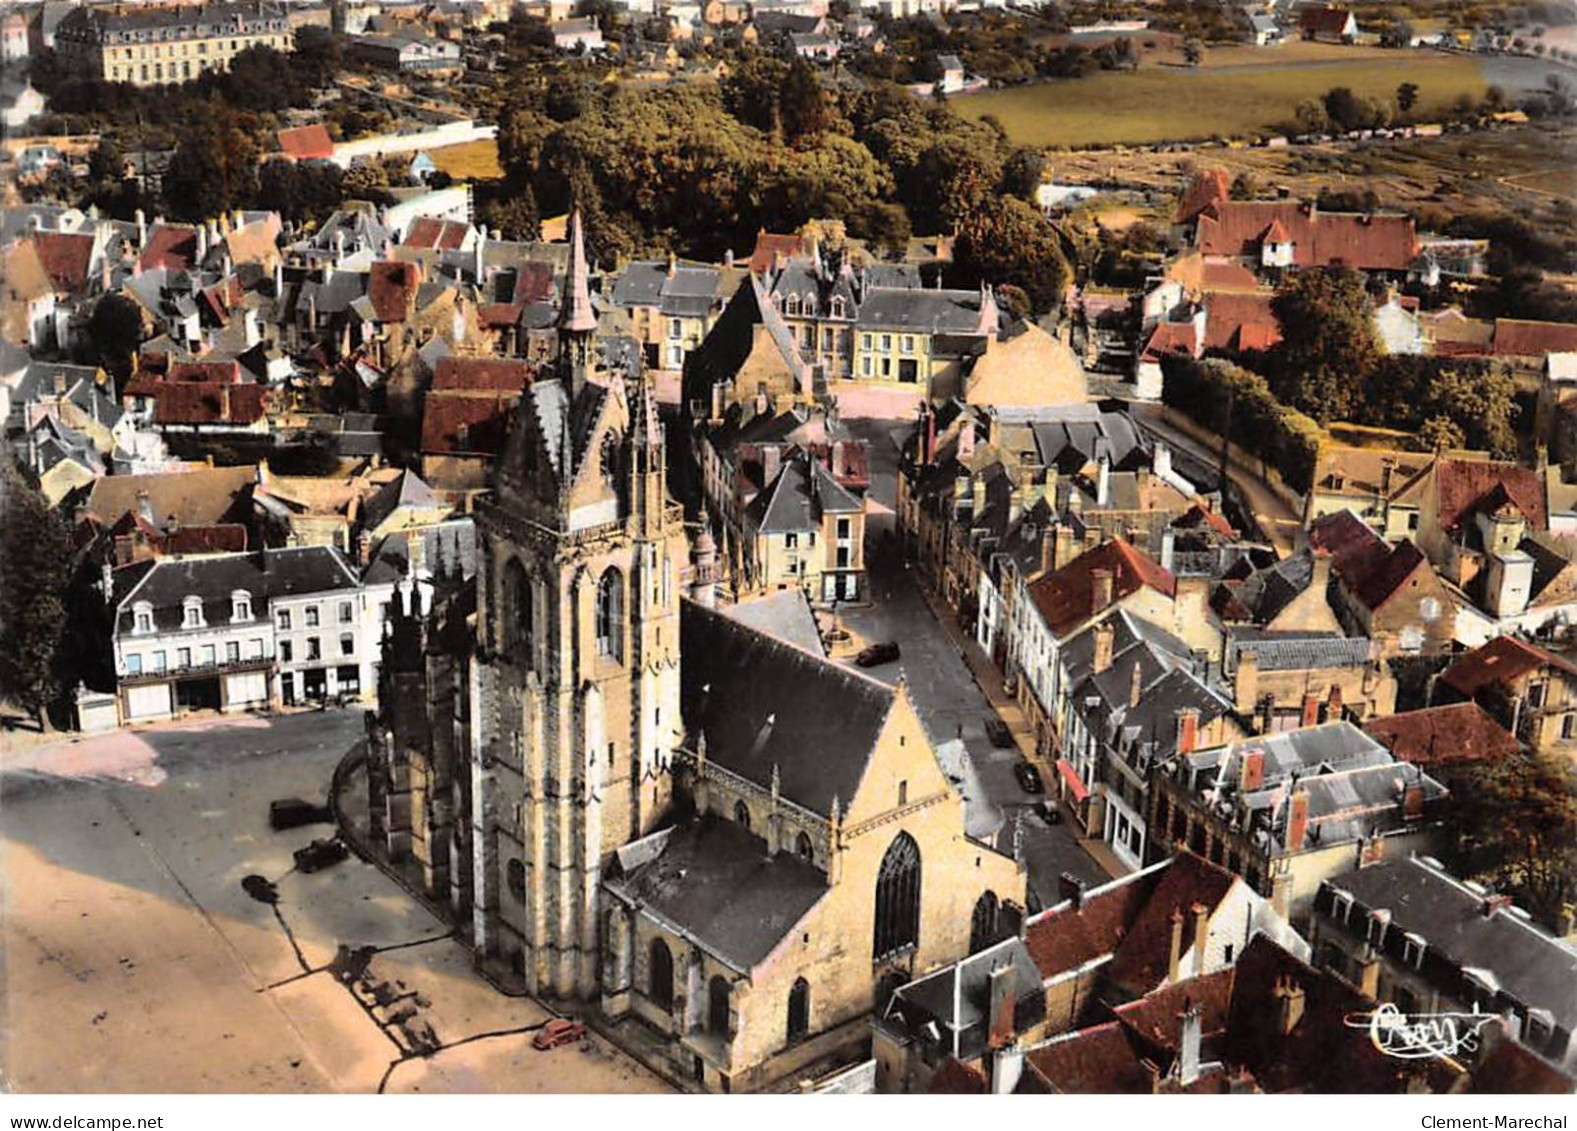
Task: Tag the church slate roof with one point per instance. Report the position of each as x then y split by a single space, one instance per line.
714 881
765 705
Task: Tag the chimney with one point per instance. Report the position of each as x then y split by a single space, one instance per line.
1048 559
1066 546
1201 915
771 461
1368 980
1161 463
1071 888
1187 730
1168 549
60 383
141 218
1245 682
145 505
1175 958
1135 684
1289 1005
1251 773
1188 1046
1101 583
1105 639
966 440
1297 820
1311 709
717 403
839 464
1103 481
1320 581
1002 1000
1333 705
202 243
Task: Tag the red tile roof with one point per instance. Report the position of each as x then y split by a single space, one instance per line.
1354 548
498 315
1446 735
1502 660
226 371
170 246
1387 577
1240 321
1330 21
768 245
208 402
486 420
1204 190
307 143
533 281
1065 938
956 1078
391 288
482 374
1157 1019
1218 275
66 258
225 538
1508 1068
434 232
1465 486
1066 598
1167 338
1101 1060
1141 961
1238 227
1516 337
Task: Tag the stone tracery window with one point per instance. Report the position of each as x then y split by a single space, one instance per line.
610 615
898 897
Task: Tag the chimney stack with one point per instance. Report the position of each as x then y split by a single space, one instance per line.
1333 705
1201 915
1105 640
1297 820
1175 958
1188 1046
1003 999
1311 709
1251 774
1245 682
1071 888
1289 1005
1187 730
1048 550
1102 582
1136 684
1413 801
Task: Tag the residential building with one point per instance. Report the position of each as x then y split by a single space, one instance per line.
1328 24
804 529
1285 679
1275 236
1407 932
1288 811
155 45
322 645
1530 691
672 306
407 53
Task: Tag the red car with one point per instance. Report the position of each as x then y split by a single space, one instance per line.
559 1031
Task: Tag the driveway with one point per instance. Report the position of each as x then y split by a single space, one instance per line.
136 961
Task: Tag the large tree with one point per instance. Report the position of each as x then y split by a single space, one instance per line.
1004 240
1328 343
214 169
114 333
1516 829
35 563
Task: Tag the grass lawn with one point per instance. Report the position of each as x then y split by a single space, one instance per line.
1165 104
472 161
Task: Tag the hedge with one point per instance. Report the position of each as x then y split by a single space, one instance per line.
1281 436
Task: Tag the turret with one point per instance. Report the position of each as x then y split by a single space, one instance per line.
577 320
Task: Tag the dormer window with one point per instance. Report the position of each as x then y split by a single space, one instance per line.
810 304
791 305
142 617
1413 947
240 605
192 612
837 306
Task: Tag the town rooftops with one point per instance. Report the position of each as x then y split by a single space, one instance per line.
1465 930
166 583
928 311
955 1001
1518 337
768 708
215 17
1500 662
307 143
1276 650
1239 228
786 616
795 501
1353 545
482 375
1208 187
199 497
1466 486
1068 597
1445 735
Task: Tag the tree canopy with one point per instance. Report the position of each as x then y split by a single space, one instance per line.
1328 342
34 567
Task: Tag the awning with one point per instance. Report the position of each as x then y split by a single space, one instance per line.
1071 777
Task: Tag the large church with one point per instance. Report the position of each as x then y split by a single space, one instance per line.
723 844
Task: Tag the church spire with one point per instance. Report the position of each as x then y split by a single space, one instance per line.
575 313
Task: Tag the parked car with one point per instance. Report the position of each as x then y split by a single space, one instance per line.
1028 778
293 812
997 731
559 1031
320 854
878 654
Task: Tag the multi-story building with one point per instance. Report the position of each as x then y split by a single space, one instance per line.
153 45
212 632
1531 691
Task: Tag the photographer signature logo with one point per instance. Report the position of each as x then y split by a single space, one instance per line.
1420 1036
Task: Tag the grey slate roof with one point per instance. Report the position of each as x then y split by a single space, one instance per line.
1069 436
924 311
763 703
167 582
1293 650
407 490
713 881
786 616
1266 592
1536 969
444 545
795 501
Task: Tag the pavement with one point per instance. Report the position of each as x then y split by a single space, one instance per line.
134 959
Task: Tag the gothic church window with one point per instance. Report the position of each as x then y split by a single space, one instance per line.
803 849
717 1006
517 610
983 924
610 615
742 815
799 1010
660 974
898 897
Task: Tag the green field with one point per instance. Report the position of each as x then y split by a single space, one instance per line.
1176 104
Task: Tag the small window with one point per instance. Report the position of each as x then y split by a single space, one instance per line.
254 649
160 661
908 343
742 815
284 620
1536 693
903 793
887 343
1413 947
192 612
285 652
183 657
347 612
240 606
790 540
803 848
516 873
312 616
133 663
209 657
233 652
865 341
144 618
347 645
314 648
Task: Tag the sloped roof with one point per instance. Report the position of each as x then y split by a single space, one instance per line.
767 706
1386 578
1502 660
1026 367
1353 545
1206 188
1518 337
391 289
482 374
207 402
66 258
1359 240
785 615
486 420
436 232
200 497
170 246
1140 963
769 245
1065 597
406 490
1240 320
307 142
1446 735
1069 935
1464 486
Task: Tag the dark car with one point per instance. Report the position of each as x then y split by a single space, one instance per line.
320 854
878 654
998 732
559 1031
293 812
1028 778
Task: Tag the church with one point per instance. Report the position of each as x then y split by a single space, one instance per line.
716 844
